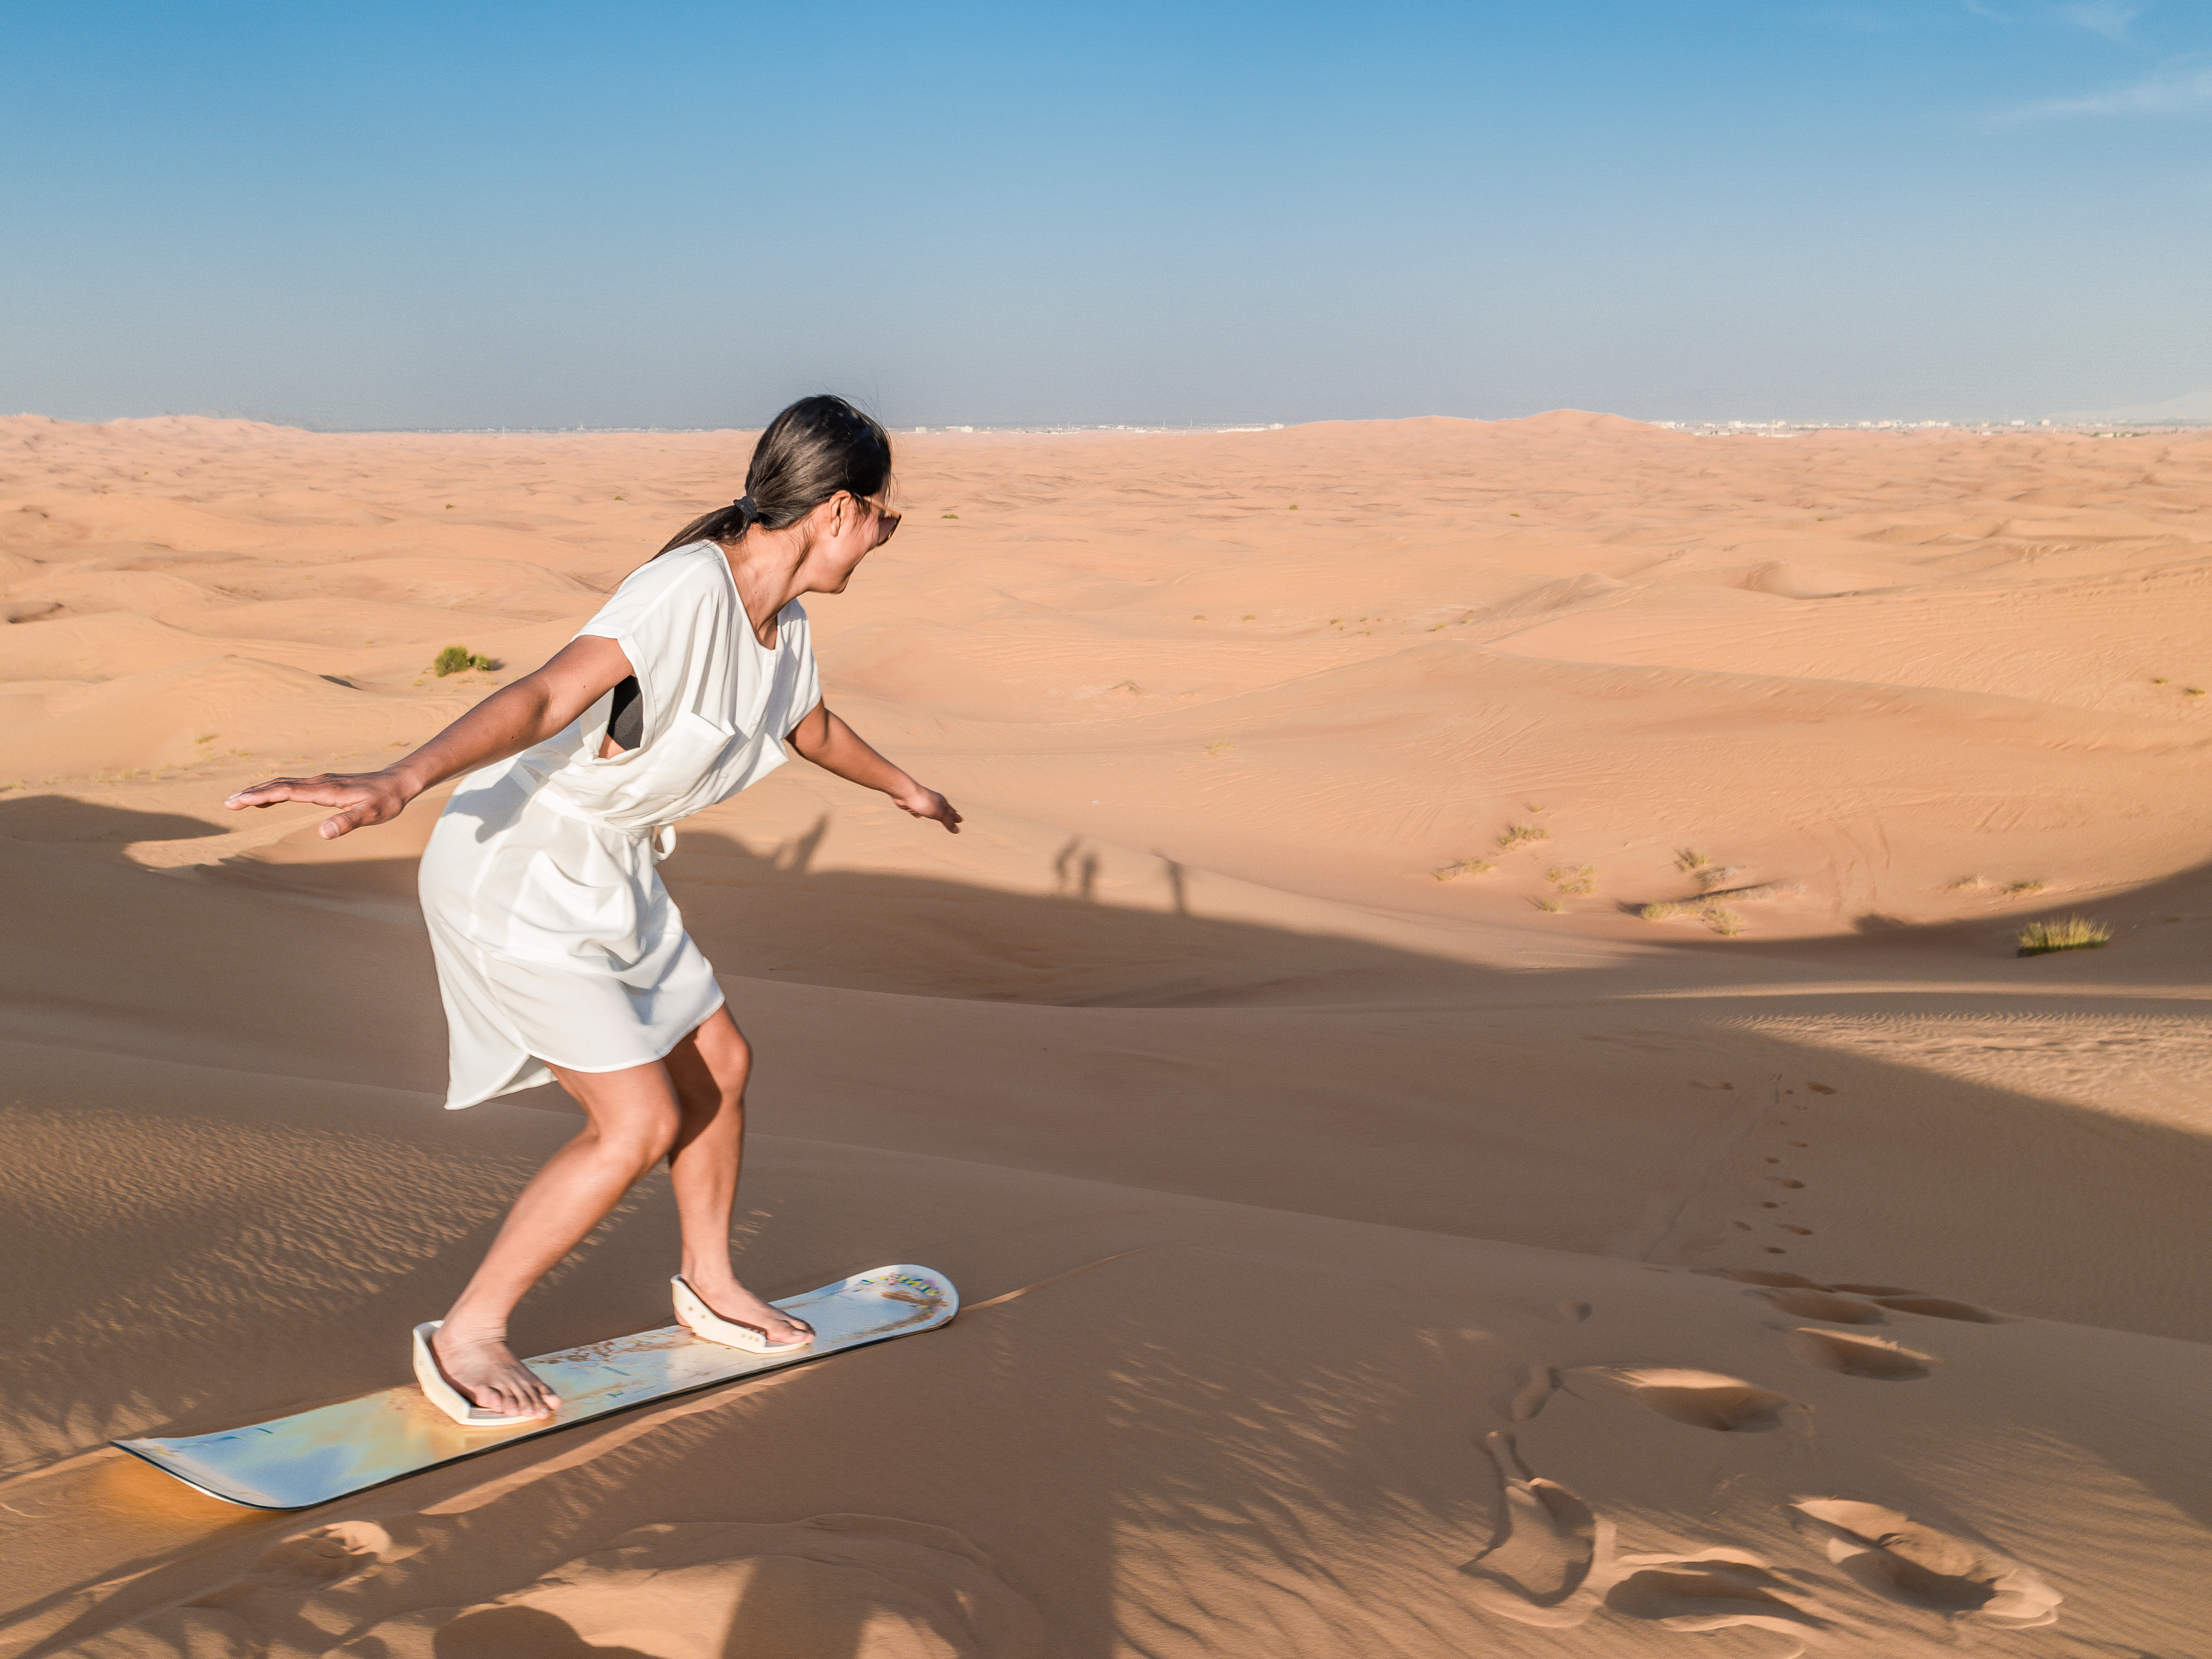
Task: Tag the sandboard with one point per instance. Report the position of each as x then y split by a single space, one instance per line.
313 1456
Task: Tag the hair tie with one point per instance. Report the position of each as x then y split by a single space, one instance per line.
748 509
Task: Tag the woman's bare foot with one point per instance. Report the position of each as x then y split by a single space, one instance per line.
727 1300
484 1369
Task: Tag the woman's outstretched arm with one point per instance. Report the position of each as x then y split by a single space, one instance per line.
513 718
836 747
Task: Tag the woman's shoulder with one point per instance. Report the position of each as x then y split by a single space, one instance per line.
673 591
696 567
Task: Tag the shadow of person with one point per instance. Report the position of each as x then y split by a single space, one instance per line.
61 819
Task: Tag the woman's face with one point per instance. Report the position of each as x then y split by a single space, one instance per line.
852 527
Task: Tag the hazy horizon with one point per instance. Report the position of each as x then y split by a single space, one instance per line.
684 215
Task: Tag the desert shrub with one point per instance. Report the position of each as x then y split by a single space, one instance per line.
1460 867
2074 933
458 659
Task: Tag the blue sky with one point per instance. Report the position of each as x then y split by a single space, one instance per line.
683 215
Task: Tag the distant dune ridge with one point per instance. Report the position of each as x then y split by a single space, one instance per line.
1471 1065
2190 406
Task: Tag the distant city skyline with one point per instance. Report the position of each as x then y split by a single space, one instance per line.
685 215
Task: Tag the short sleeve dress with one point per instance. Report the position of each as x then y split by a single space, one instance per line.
554 937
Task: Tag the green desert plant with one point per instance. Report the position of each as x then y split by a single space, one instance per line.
1722 920
2025 887
1571 877
1549 904
1517 833
1660 911
2074 933
1688 858
458 659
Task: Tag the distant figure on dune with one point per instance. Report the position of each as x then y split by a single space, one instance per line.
560 955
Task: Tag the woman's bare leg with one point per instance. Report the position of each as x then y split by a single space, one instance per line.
708 1069
634 1120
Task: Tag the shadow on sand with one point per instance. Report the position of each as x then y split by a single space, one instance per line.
1419 1083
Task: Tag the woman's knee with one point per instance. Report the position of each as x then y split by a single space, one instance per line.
726 1060
640 1133
733 1067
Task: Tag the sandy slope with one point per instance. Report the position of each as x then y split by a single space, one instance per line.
1358 1261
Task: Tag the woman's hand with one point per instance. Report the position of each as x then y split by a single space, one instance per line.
928 804
513 718
836 747
363 798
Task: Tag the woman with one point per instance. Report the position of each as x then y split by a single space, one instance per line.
560 956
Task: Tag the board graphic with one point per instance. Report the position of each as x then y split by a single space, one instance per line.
313 1456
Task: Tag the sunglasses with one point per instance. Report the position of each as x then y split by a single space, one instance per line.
886 520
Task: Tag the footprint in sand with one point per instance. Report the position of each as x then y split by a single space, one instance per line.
1928 1307
1712 1595
1895 1296
1823 1304
1522 1405
1858 1356
1704 1400
1547 1538
1897 1558
1937 1307
1554 1563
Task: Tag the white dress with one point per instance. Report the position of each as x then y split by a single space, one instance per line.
554 940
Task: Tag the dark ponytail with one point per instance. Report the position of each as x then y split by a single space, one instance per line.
815 448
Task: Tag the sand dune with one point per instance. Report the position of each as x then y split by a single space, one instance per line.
1377 1235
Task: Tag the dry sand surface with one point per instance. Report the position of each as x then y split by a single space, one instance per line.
1378 1237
